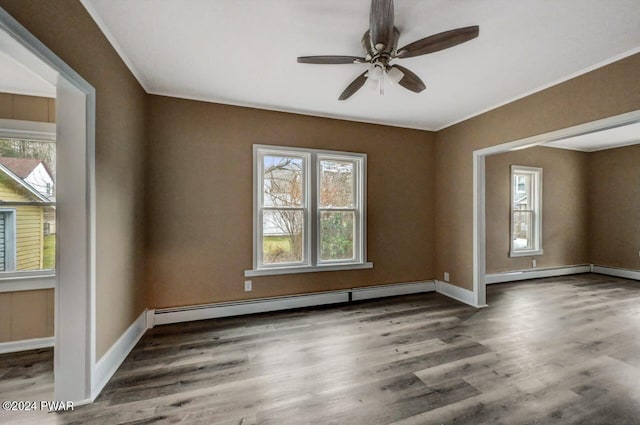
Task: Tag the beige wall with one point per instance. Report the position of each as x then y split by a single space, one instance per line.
27 108
607 91
564 208
614 207
67 29
200 200
26 315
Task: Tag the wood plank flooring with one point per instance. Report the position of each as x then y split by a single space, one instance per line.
547 351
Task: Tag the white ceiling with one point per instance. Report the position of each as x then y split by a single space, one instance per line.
600 140
17 79
243 52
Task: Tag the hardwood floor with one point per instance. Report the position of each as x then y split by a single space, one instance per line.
550 351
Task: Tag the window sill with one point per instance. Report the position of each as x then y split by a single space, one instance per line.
27 281
307 269
529 253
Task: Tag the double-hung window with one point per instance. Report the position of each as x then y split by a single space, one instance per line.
526 211
309 210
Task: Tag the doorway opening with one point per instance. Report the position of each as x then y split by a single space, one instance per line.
72 195
479 182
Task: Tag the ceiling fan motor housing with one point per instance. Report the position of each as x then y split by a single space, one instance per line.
383 55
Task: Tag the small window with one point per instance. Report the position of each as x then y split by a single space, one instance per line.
526 211
309 210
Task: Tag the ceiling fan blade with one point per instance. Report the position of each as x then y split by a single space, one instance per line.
437 42
330 60
381 22
354 86
410 81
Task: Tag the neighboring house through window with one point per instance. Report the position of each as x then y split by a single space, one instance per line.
27 210
526 211
309 210
7 240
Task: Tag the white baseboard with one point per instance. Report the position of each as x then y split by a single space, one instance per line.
614 271
26 344
165 316
457 293
237 308
536 273
381 291
113 358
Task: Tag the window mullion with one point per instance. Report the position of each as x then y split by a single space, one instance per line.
313 208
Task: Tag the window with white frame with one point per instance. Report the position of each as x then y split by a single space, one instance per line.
526 211
309 210
28 198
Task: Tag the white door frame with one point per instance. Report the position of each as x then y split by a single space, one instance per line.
75 293
479 213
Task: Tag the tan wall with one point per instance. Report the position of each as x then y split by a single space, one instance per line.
614 207
200 200
564 208
607 91
67 29
26 315
27 108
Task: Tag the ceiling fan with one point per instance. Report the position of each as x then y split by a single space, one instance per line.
380 45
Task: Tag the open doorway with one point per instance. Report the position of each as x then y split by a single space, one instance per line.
27 228
68 195
613 132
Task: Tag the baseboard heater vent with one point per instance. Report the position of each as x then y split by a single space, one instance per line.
537 273
237 308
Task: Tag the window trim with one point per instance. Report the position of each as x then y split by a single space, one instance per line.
311 262
9 241
536 195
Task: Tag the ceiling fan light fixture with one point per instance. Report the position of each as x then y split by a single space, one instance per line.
380 46
395 75
372 84
375 72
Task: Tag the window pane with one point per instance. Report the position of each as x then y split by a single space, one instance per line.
282 239
522 192
522 230
336 235
27 214
336 184
283 181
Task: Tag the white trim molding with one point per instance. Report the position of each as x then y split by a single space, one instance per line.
107 366
26 344
32 130
28 283
618 272
526 274
457 293
307 269
381 291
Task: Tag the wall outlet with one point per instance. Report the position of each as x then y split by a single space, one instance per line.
248 287
534 263
446 276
